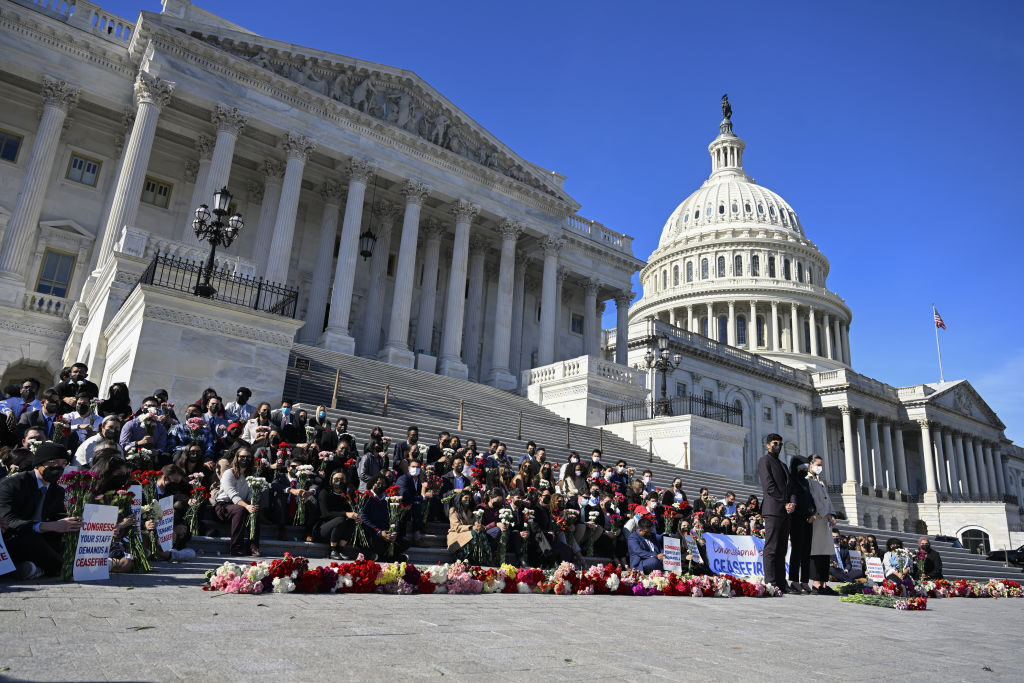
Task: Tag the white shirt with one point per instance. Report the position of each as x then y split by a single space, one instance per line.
239 413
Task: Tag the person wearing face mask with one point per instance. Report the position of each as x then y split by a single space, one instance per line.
644 545
259 424
136 433
675 494
406 449
800 527
286 496
462 524
376 522
568 467
75 384
648 479
231 441
84 421
779 505
171 482
213 417
821 522
234 504
118 401
32 511
337 519
239 410
287 422
182 435
411 485
588 531
595 461
619 479
932 561
575 481
108 435
44 418
26 400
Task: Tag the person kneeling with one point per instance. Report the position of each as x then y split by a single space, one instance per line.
645 547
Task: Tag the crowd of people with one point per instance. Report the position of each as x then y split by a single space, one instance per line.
258 466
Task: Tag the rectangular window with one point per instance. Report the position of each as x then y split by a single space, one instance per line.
55 275
9 146
680 389
771 266
709 395
156 192
768 414
755 266
576 323
789 419
83 170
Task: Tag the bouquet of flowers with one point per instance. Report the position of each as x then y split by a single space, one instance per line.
506 517
324 458
151 513
672 517
358 501
257 485
479 547
310 434
76 488
195 427
198 497
302 475
396 512
422 448
919 561
148 421
124 500
139 458
592 518
432 483
61 427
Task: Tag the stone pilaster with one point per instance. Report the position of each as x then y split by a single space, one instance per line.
549 305
591 287
622 301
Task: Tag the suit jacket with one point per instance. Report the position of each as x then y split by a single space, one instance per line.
376 516
401 448
639 550
775 485
410 487
18 494
36 419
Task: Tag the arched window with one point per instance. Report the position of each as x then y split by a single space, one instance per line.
721 208
735 208
675 276
721 266
741 330
696 214
723 328
760 209
787 272
686 217
746 207
755 266
704 269
737 266
689 271
810 275
800 272
760 331
975 540
807 336
771 266
664 279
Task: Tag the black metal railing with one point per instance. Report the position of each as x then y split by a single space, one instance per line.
680 405
182 275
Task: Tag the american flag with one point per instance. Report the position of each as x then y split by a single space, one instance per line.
939 323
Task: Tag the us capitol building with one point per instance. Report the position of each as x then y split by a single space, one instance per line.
381 221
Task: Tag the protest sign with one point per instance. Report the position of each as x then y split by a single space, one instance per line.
693 549
875 571
98 524
736 555
673 561
136 491
165 526
855 562
6 563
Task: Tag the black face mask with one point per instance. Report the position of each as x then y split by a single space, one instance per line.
194 455
244 462
337 485
459 468
172 487
111 434
28 394
52 473
379 490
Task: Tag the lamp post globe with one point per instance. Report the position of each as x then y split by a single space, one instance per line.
211 227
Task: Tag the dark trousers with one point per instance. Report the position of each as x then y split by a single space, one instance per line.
776 534
282 514
819 568
336 529
45 550
800 552
379 546
239 517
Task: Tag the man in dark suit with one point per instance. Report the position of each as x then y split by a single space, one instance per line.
645 547
779 502
44 417
75 384
376 522
288 423
410 483
32 509
840 568
406 449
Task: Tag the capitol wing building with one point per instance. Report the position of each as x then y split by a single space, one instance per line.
378 220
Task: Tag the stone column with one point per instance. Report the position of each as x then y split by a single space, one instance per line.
997 466
58 99
731 327
990 467
850 458
867 474
691 325
846 344
820 434
712 323
433 231
752 329
474 305
826 327
499 375
563 275
455 302
273 176
876 454
940 459
965 456
204 146
590 325
838 343
330 192
336 337
518 302
396 350
979 461
794 331
376 293
548 307
811 323
297 148
229 122
955 473
889 462
901 459
776 342
926 455
622 326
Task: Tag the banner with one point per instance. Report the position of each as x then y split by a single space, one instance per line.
737 555
165 527
98 524
6 563
875 570
693 549
136 491
673 561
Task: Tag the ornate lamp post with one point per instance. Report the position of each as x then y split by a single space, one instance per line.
216 232
662 362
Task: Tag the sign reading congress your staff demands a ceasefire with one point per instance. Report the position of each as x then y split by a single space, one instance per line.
98 524
736 555
673 561
165 527
6 563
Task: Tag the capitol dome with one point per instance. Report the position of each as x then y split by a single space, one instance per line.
734 264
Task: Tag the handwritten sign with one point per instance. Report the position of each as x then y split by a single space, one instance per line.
875 571
136 492
6 563
165 526
98 525
856 566
673 561
693 549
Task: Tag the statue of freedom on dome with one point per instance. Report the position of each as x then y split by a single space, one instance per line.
726 107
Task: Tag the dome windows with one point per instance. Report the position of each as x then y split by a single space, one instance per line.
800 272
721 209
675 276
696 214
721 266
771 267
664 279
686 217
810 275
755 266
735 208
760 209
787 270
737 268
708 213
741 330
771 210
746 207
704 269
689 271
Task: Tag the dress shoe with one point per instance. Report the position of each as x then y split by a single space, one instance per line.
335 555
28 571
254 550
783 588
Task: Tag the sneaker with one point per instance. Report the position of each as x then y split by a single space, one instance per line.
347 553
796 588
28 571
335 555
183 555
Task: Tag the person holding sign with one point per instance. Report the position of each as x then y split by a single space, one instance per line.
779 504
822 521
645 547
32 506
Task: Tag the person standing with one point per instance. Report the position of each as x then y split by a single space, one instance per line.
822 548
800 527
779 504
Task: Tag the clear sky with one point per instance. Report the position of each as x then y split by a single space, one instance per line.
891 127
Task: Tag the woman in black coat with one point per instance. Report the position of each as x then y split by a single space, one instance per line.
800 527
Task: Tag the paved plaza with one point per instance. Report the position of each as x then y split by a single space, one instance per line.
162 627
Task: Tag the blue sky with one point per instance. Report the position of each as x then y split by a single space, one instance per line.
891 127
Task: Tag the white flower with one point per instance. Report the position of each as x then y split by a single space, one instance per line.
258 572
344 581
439 575
228 568
283 585
522 587
612 582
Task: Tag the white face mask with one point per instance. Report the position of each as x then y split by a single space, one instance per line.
647 480
816 469
414 471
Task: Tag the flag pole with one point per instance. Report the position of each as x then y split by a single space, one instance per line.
937 347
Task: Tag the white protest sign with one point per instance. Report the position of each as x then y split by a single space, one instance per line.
736 555
136 491
165 526
855 564
6 563
673 561
875 571
693 549
98 524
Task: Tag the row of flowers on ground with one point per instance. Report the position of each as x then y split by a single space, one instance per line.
292 574
942 588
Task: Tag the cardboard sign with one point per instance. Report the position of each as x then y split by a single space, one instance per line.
737 555
136 491
855 562
6 563
875 570
693 549
673 561
98 524
165 525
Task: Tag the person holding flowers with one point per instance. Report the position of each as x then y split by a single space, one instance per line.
144 431
376 520
897 563
293 497
235 503
411 485
462 524
337 518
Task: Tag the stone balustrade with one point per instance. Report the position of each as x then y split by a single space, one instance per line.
138 242
585 366
48 305
844 377
85 15
600 233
